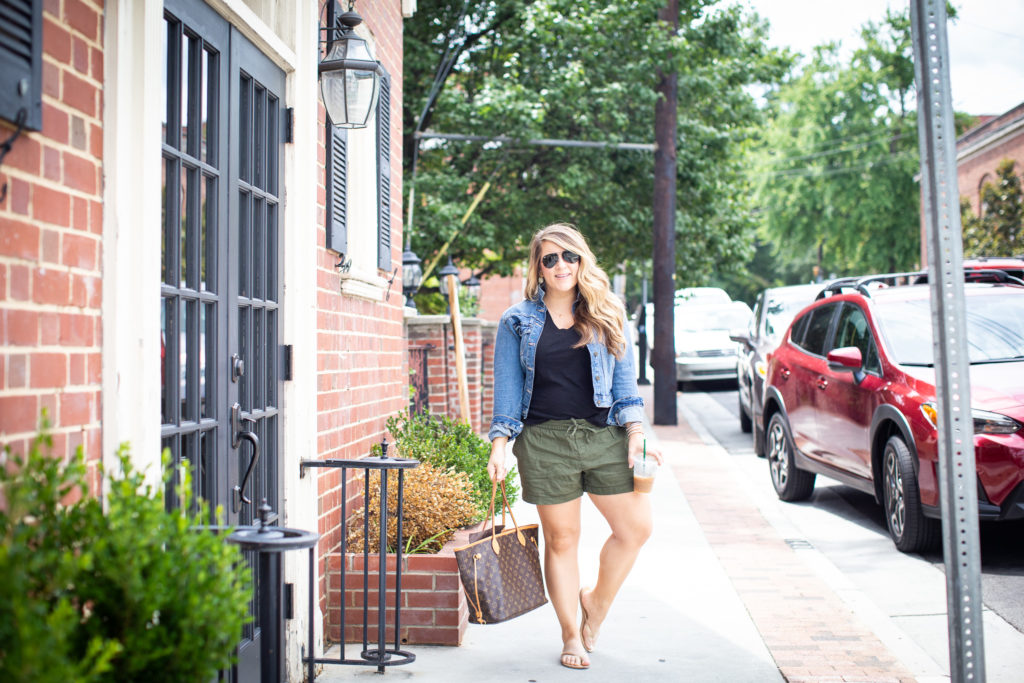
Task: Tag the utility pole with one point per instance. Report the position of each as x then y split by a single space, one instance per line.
664 229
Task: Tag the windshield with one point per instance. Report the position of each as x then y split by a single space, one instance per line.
995 328
779 313
697 319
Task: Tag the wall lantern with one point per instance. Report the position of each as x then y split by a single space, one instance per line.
472 285
349 75
412 275
448 274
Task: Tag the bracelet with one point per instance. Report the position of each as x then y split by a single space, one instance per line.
634 428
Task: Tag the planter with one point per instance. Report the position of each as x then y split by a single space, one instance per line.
434 609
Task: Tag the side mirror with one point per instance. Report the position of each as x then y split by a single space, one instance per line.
847 358
740 337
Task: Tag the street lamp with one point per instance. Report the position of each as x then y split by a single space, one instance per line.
449 270
472 285
349 75
412 275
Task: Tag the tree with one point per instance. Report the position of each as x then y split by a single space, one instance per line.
999 231
579 70
837 164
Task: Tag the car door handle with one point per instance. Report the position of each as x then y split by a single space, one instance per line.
822 383
785 372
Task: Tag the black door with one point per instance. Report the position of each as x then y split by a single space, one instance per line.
222 138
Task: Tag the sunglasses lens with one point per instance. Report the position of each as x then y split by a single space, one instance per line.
550 260
571 257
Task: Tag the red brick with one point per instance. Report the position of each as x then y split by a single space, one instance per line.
96 141
48 370
79 251
79 173
97 65
18 240
19 196
51 80
51 164
96 218
94 368
80 55
49 329
76 329
51 246
22 328
51 206
76 369
21 280
17 371
3 281
76 409
56 40
51 286
55 124
80 214
82 18
79 93
18 414
24 155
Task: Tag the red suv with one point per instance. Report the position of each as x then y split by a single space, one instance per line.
850 394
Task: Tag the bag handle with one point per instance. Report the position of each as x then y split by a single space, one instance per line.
505 506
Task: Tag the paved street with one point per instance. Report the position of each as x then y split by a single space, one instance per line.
843 533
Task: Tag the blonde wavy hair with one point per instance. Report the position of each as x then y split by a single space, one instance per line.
599 313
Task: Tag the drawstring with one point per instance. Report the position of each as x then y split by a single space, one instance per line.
573 428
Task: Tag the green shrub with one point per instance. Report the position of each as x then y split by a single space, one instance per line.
449 445
435 503
138 593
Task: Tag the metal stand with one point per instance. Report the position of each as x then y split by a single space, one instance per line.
380 655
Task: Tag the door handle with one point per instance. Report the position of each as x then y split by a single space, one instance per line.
785 372
822 383
236 440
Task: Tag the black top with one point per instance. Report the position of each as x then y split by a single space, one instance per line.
563 384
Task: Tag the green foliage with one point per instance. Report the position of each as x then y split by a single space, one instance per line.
138 593
449 445
435 503
580 70
999 231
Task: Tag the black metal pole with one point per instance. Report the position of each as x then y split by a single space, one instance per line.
664 258
311 661
382 554
271 663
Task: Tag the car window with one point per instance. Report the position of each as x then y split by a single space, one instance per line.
995 328
853 330
813 340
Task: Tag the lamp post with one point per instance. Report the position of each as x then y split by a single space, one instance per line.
412 275
472 285
349 75
448 277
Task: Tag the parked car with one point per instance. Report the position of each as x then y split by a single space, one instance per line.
704 350
851 394
773 311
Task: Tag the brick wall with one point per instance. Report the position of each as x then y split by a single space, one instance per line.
434 333
362 367
50 244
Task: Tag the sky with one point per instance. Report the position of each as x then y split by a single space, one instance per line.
986 42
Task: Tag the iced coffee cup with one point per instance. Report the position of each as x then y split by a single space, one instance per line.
644 470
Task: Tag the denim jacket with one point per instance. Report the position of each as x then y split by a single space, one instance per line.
515 350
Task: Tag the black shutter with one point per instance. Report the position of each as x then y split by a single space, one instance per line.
384 174
21 61
337 171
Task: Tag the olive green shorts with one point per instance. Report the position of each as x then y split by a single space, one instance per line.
559 460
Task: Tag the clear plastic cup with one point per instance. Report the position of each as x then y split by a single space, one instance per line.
644 470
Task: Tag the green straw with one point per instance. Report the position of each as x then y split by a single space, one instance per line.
645 450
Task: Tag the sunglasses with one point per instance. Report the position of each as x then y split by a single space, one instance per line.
551 260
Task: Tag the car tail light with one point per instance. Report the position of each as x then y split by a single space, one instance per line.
985 422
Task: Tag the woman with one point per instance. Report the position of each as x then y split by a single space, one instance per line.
565 390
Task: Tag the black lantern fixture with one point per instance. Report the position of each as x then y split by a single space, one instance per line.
412 275
442 276
349 75
472 285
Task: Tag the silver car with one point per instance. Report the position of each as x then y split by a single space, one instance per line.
704 350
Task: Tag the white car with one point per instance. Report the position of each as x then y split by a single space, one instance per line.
704 351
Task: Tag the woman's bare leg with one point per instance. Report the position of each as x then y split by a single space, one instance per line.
630 519
561 526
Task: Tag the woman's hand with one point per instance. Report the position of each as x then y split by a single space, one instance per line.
496 464
635 450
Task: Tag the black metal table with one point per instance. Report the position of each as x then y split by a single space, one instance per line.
379 656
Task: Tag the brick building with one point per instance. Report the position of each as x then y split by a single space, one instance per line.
978 153
184 239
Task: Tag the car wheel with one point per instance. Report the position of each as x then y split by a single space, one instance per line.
746 425
790 483
910 530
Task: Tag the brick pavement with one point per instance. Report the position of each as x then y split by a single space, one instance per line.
812 635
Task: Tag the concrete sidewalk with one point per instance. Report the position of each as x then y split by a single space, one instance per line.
717 595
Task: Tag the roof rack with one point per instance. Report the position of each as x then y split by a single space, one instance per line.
920 277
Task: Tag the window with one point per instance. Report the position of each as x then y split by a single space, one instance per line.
815 329
853 330
21 62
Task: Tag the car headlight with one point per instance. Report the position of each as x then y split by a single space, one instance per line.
761 368
985 422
